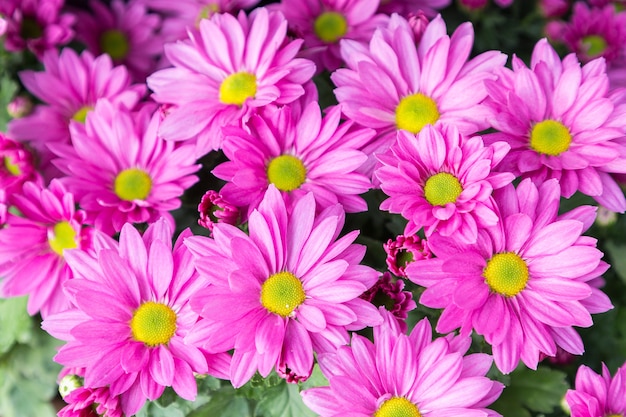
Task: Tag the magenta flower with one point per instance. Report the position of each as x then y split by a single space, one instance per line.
524 284
400 375
389 293
32 246
121 171
214 209
598 395
442 182
298 152
561 123
130 316
406 7
125 31
82 401
553 8
228 67
394 85
17 166
36 25
324 23
403 250
281 293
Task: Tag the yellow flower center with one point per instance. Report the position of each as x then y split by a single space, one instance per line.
442 188
237 88
30 29
132 184
416 111
330 26
550 138
13 168
286 172
114 43
153 323
81 115
62 236
594 45
207 11
506 273
281 293
397 407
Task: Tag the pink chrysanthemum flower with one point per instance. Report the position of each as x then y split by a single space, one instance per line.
17 166
281 293
395 84
389 293
561 123
324 23
213 208
84 402
130 315
229 66
598 395
441 181
524 284
407 7
36 25
32 246
404 375
125 31
298 152
121 171
403 250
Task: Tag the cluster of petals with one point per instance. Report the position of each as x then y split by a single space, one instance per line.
18 166
525 283
409 375
345 19
254 47
126 31
327 151
403 250
121 171
82 401
561 122
392 69
213 208
407 7
409 175
33 246
598 395
389 292
287 289
129 317
36 25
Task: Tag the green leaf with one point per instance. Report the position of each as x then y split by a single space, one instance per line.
540 391
618 258
317 379
224 406
15 323
283 400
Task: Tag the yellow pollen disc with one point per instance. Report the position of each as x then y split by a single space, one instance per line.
550 138
114 43
62 236
442 188
153 323
330 26
286 172
615 415
281 293
13 169
594 45
132 184
237 88
506 273
397 407
416 111
81 115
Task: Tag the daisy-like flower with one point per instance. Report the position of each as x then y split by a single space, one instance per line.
36 25
406 7
324 23
598 395
441 181
32 246
130 316
125 31
297 152
213 209
394 85
284 291
525 283
121 171
404 375
561 122
403 250
228 67
83 402
17 166
389 293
